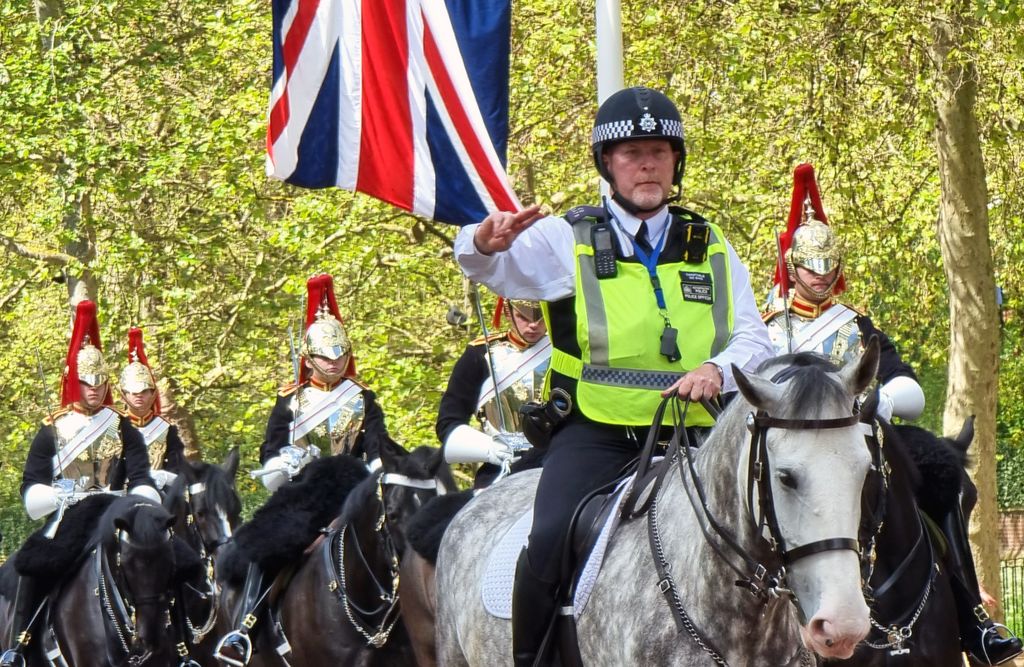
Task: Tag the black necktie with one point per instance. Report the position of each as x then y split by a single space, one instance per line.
642 240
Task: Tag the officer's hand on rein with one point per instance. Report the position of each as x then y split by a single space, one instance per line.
499 230
703 382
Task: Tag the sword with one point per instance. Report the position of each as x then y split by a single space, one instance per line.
487 350
49 407
296 371
784 291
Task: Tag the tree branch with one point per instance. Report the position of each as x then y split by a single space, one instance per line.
54 258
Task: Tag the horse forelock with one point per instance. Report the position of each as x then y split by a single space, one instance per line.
147 523
360 497
220 489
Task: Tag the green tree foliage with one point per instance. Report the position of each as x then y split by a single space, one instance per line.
154 111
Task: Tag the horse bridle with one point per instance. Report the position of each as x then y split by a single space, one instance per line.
375 636
206 556
117 608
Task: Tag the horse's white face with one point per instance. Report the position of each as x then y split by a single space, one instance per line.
816 480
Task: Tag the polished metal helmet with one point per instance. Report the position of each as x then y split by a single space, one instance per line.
326 337
136 377
815 247
92 369
638 113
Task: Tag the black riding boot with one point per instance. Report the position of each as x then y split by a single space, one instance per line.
25 611
978 633
235 648
533 610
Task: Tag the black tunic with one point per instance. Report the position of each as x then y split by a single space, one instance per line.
890 364
367 444
133 463
173 461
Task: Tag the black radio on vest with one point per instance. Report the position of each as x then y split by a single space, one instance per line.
604 250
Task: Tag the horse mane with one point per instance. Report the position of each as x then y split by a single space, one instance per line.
940 462
359 498
807 377
220 488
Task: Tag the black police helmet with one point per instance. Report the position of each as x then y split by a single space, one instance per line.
638 113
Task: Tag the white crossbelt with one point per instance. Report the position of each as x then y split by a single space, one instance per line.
816 332
98 424
152 431
327 406
531 359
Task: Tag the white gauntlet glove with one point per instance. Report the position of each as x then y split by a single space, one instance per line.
467 445
275 472
40 500
163 478
901 397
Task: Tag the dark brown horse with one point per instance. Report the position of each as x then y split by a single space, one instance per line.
207 509
913 619
339 605
112 608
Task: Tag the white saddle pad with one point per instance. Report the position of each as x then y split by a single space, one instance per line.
496 587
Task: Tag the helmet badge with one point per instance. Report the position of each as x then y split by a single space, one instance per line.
647 122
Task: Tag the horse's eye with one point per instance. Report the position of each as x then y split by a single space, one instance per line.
787 479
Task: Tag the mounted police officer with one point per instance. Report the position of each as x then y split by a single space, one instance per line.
817 322
515 362
325 412
81 453
641 300
142 402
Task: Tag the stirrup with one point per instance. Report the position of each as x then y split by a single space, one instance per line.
993 628
12 657
240 642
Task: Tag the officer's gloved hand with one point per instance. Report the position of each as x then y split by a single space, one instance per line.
40 500
901 396
465 444
163 478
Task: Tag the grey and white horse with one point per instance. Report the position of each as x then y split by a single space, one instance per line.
815 458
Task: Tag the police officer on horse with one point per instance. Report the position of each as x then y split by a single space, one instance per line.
80 453
493 378
642 300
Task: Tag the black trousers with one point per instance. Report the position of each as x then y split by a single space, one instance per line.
582 457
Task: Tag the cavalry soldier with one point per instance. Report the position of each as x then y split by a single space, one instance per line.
811 320
325 412
641 301
142 400
514 361
81 452
817 322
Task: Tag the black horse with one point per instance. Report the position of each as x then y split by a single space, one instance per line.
913 617
207 509
111 606
337 602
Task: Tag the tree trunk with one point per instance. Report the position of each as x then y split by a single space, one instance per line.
963 233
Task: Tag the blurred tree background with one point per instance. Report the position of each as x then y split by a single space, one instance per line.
131 170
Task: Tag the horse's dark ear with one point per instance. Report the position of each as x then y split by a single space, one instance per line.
391 453
963 441
191 471
436 460
858 377
230 465
870 407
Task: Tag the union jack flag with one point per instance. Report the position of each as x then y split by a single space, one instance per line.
404 100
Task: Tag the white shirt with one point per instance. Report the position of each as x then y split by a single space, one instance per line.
541 266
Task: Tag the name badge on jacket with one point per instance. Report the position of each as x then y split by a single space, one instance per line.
696 287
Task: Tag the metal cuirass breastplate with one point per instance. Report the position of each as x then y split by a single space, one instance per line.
505 356
94 464
841 345
338 432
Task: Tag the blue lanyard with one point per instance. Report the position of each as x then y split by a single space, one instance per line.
651 263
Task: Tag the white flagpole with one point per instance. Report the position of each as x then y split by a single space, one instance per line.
609 54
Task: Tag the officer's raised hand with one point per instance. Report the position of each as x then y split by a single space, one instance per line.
499 230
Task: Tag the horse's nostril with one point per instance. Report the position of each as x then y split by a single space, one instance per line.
829 642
